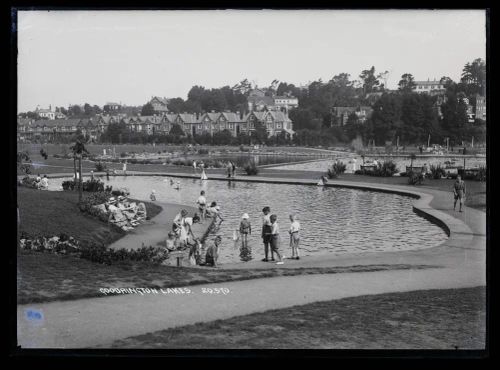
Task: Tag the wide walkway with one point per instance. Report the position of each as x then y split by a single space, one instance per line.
459 262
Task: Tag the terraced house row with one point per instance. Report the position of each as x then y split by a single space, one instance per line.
276 122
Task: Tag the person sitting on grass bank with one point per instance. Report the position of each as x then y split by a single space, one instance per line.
459 192
152 196
212 254
275 241
44 184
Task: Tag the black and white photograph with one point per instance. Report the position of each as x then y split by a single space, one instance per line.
251 179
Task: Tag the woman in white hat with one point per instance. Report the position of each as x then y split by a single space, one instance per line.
245 228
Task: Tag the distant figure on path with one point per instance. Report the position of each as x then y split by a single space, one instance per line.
266 233
152 196
125 168
245 228
420 148
465 150
275 241
425 170
354 165
233 172
91 175
294 236
194 166
459 192
107 174
177 185
229 169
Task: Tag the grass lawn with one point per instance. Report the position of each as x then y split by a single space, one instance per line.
427 319
45 277
51 213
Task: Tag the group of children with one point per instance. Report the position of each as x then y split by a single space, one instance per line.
271 235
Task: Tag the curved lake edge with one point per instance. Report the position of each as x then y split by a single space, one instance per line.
458 232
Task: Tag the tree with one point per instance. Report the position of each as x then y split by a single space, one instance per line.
147 110
407 83
243 87
455 120
260 132
88 110
386 117
475 74
75 111
115 132
176 105
176 130
369 80
78 150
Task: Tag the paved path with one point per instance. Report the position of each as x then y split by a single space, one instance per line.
156 230
97 322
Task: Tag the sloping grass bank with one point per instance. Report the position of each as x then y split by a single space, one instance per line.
51 213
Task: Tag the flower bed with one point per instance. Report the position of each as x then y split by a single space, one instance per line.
93 252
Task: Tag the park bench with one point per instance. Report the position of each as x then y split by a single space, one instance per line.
367 167
413 169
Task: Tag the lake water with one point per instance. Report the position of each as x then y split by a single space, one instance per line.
333 220
401 162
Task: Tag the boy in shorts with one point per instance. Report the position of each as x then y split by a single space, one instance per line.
275 238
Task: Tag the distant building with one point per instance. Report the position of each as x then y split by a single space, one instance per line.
429 87
259 103
111 107
46 113
343 113
480 107
159 104
286 102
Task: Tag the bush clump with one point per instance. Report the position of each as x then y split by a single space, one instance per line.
100 166
385 169
251 168
437 172
415 178
92 185
336 169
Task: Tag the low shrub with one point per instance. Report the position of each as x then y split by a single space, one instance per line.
44 154
68 185
415 178
386 169
92 251
28 182
202 151
437 172
91 185
123 154
100 167
481 174
251 168
92 200
336 169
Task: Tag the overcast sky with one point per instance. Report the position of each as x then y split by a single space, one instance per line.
69 57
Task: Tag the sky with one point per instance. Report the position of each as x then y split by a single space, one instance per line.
76 57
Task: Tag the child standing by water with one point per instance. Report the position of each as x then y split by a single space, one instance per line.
275 238
152 196
245 228
294 236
